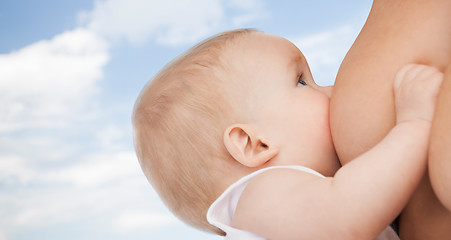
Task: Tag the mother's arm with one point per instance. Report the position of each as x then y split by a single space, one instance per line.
397 32
440 150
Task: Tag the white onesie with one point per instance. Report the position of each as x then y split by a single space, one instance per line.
220 213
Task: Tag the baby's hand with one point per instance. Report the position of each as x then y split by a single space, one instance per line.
416 88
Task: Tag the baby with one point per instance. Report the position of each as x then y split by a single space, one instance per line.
237 127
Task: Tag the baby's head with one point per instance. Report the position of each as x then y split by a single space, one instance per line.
237 102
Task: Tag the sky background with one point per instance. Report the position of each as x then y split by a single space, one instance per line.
70 72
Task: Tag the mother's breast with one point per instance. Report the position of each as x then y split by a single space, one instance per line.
397 32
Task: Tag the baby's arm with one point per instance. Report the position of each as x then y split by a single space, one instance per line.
365 195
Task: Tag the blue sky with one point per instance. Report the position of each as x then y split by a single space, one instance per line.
70 72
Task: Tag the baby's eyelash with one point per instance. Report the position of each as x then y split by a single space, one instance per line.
301 82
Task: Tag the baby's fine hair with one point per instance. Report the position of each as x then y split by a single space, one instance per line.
178 120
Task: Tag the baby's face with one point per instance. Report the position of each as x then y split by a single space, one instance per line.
287 106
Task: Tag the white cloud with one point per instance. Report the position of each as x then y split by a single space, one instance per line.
250 10
138 220
97 187
168 22
13 169
45 86
95 170
92 170
46 82
325 51
110 136
94 187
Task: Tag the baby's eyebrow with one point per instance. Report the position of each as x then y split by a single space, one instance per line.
294 60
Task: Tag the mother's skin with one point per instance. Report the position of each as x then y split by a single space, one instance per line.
397 32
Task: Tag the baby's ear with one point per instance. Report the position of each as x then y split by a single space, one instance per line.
246 147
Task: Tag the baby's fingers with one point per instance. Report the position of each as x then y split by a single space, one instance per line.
406 73
419 75
416 88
